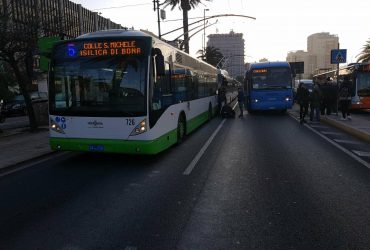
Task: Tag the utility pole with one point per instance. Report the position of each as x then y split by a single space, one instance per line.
204 30
156 7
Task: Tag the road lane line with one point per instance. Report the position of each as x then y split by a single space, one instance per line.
194 162
31 164
361 153
330 133
352 155
202 150
348 141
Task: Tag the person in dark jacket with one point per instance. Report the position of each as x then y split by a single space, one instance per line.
315 101
326 101
241 99
221 98
303 98
345 96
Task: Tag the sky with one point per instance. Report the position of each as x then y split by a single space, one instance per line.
279 27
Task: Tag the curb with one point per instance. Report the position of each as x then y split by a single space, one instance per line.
355 132
18 166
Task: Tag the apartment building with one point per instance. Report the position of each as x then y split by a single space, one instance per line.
231 46
317 57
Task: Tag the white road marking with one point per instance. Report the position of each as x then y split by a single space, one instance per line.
202 150
194 162
317 126
361 153
31 164
352 155
347 141
330 133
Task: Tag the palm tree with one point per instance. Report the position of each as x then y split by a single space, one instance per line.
365 53
211 55
185 6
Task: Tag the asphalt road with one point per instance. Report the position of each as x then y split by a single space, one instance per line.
264 182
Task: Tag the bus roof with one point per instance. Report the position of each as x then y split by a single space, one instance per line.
113 33
269 65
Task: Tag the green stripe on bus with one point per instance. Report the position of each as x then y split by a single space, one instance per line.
125 146
115 146
196 122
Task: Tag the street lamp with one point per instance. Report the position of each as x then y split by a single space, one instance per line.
204 30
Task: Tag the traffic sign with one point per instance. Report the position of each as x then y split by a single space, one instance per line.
297 67
338 56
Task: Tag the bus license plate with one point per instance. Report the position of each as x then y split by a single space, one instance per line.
96 148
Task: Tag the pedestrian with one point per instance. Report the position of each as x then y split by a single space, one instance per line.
345 96
332 98
221 97
303 96
315 101
325 101
241 99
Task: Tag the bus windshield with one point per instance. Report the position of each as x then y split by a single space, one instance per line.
271 78
99 86
363 83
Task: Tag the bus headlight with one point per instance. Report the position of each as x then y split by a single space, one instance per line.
55 127
288 99
255 100
141 128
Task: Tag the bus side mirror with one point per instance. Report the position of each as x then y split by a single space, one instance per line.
159 62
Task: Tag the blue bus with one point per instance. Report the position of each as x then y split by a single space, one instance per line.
268 86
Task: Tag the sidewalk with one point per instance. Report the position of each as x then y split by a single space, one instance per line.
19 145
358 126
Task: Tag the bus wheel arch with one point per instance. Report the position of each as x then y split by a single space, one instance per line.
181 127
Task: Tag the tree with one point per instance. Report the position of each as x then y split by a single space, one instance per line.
263 60
7 82
364 56
18 43
211 55
185 6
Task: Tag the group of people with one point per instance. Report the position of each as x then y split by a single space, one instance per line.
324 100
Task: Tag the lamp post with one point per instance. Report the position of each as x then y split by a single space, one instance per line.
204 30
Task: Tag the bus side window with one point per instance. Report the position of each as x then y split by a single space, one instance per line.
164 83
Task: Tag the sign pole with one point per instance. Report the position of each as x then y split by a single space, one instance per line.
337 87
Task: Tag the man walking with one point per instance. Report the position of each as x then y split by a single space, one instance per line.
241 99
303 97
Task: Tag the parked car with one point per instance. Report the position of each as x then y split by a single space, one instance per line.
17 105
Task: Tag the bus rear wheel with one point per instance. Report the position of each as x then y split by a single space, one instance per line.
181 129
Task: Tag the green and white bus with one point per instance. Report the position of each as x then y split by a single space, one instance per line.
126 91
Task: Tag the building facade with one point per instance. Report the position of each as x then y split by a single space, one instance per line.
41 19
61 18
232 48
319 45
317 58
301 56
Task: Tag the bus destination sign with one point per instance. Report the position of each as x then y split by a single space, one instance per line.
106 48
260 71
